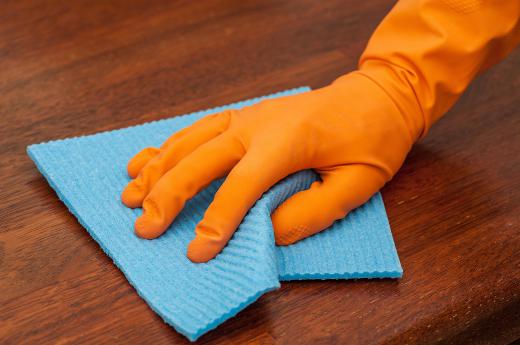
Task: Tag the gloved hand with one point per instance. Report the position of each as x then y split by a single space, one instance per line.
355 133
350 132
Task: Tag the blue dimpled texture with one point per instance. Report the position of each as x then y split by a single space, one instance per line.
89 173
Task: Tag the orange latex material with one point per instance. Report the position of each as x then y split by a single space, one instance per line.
355 132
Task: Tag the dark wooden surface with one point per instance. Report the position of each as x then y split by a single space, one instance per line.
76 67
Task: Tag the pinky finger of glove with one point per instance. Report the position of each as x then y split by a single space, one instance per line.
140 159
313 210
214 121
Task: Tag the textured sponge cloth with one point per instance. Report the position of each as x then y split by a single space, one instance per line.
88 174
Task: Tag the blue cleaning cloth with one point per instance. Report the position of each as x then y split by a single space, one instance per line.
89 173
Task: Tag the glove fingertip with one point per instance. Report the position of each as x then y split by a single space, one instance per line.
200 250
131 197
291 235
149 225
137 162
207 244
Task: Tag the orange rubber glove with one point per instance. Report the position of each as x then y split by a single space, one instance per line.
355 133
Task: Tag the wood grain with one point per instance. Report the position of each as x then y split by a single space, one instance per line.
77 67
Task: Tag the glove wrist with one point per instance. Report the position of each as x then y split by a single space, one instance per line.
396 87
385 99
386 130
